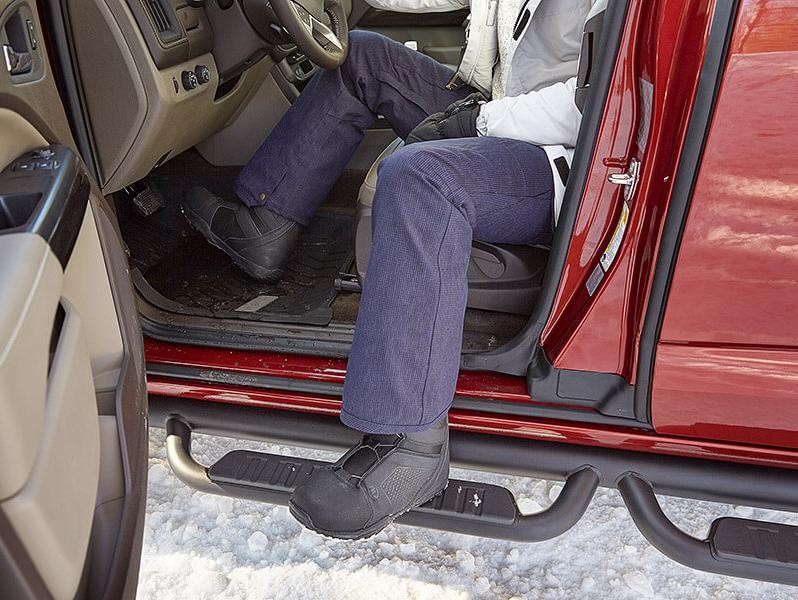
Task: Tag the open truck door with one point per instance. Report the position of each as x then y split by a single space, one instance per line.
73 431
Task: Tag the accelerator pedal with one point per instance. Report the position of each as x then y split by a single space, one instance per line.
145 197
464 506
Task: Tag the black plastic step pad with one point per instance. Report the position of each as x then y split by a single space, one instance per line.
273 473
258 470
755 541
469 500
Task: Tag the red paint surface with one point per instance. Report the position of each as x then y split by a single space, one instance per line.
663 44
495 386
483 385
739 394
736 282
727 362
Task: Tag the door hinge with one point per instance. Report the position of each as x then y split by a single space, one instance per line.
628 179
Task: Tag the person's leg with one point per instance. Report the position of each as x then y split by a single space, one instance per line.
432 199
281 187
297 165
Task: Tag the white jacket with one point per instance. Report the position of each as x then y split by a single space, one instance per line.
539 105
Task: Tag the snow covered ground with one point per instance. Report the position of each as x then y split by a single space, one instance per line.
200 546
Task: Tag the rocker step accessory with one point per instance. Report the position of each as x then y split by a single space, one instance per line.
736 547
464 506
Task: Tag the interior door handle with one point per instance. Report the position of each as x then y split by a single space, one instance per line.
17 63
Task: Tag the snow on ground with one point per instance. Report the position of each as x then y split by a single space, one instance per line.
199 546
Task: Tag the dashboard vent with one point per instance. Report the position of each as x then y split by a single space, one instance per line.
158 14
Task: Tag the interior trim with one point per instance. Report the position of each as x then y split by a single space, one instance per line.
19 578
66 74
130 405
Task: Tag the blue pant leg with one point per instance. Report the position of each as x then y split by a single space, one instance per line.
432 199
295 168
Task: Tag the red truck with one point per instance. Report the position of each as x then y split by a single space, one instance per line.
653 348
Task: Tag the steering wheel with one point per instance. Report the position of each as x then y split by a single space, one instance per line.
307 22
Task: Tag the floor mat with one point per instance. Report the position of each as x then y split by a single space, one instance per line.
190 276
200 277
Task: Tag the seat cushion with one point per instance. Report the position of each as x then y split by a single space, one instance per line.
366 196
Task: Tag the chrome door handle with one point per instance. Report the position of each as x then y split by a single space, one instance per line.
17 63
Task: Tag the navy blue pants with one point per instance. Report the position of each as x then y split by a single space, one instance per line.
432 199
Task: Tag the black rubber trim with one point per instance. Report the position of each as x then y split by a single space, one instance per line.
64 65
696 478
684 184
521 24
639 497
563 170
582 413
608 394
55 334
61 194
516 355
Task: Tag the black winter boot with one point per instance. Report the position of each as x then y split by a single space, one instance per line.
258 240
376 481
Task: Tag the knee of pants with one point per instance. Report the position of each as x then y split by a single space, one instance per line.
366 48
418 174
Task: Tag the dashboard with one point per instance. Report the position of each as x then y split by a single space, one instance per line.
161 76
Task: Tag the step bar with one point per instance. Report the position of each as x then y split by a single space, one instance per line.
466 507
735 547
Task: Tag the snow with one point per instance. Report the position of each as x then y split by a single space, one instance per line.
199 546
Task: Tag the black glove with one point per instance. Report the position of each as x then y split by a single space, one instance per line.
459 120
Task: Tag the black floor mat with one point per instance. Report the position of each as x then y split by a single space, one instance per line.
191 276
198 276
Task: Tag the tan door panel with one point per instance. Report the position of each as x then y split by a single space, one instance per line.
18 136
86 286
72 393
30 288
54 362
52 513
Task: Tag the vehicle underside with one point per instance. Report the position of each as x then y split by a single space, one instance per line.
561 365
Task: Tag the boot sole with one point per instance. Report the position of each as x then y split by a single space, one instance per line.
252 269
360 534
375 527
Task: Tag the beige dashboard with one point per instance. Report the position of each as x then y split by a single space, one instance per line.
144 99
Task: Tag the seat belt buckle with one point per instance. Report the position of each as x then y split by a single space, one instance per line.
455 83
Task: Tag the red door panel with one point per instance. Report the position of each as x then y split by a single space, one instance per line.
727 361
660 54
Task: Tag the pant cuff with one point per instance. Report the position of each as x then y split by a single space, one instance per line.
253 200
366 426
245 195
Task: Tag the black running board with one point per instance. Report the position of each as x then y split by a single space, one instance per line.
736 547
464 506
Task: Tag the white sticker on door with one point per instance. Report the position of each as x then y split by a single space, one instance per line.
646 98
